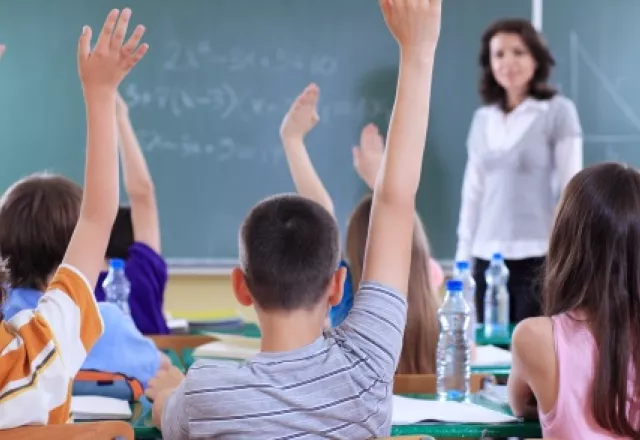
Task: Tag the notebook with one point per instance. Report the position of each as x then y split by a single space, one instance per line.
408 411
99 408
490 356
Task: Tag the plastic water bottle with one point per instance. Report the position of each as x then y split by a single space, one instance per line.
116 286
453 363
462 272
496 298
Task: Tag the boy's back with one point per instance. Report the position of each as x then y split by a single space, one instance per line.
339 386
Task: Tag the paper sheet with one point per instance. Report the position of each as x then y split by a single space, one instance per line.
220 349
490 356
99 408
177 324
409 411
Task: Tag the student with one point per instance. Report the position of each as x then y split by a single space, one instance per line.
41 350
580 361
422 330
337 383
135 236
37 218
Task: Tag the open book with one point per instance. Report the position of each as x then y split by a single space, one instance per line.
99 408
408 411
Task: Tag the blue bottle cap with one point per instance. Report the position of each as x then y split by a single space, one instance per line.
116 263
497 256
454 285
462 265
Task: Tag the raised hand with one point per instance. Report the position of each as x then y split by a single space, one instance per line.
111 59
367 157
414 23
122 109
302 116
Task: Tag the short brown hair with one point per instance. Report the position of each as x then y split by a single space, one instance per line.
289 250
121 238
492 92
37 217
418 355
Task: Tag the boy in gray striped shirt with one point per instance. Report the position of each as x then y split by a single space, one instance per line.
306 383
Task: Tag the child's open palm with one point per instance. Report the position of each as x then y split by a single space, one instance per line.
414 23
303 114
112 58
367 157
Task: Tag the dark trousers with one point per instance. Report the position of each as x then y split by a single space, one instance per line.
524 287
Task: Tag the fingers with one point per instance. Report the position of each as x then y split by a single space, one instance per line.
120 30
132 44
107 31
84 44
310 95
137 56
385 6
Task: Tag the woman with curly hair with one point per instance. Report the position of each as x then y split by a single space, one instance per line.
524 145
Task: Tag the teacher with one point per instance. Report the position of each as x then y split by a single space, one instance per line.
524 146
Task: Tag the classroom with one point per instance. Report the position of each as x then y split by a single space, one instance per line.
411 219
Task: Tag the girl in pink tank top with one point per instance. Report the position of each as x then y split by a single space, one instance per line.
575 368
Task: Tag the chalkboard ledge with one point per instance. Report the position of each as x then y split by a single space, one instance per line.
201 267
222 267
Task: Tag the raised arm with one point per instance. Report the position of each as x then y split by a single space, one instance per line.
101 71
367 157
137 182
416 26
299 120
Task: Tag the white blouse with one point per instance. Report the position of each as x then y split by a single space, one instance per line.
517 165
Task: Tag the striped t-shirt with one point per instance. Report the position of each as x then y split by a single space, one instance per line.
340 386
41 351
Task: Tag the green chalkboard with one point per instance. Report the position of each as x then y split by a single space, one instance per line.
598 67
208 99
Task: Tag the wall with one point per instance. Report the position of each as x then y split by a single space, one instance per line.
203 293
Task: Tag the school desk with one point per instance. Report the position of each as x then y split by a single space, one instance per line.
144 428
503 339
251 330
527 429
498 371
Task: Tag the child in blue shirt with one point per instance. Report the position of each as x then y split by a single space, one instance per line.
38 215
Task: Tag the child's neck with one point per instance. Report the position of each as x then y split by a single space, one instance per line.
288 331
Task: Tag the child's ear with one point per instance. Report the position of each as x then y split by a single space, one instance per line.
336 287
240 289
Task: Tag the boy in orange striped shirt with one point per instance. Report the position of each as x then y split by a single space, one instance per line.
41 350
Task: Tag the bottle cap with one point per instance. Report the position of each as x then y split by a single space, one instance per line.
116 263
454 285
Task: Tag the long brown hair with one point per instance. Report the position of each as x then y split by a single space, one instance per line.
418 354
593 266
492 92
